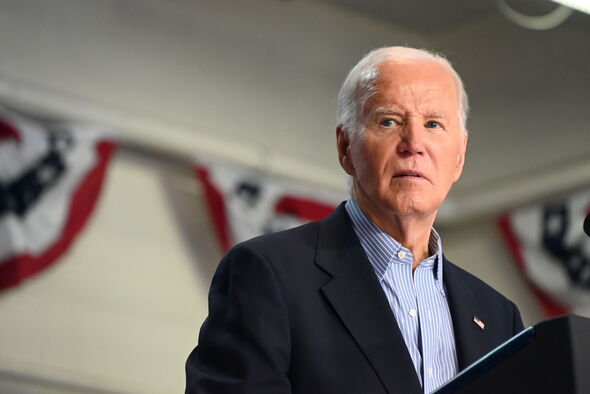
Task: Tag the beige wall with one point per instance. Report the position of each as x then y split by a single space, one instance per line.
121 311
232 78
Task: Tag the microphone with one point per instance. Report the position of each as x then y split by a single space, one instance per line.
587 225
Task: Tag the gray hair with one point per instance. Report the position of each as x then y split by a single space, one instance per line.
360 83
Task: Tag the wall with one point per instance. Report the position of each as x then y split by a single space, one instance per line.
231 78
528 136
121 311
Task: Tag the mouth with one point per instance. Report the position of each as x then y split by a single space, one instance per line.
408 174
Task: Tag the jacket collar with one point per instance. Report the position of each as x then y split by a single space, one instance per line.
356 296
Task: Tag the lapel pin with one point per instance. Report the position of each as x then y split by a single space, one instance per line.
479 323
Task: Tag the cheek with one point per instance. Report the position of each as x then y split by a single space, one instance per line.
374 165
451 170
367 171
373 161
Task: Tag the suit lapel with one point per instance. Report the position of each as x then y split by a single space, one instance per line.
357 297
469 337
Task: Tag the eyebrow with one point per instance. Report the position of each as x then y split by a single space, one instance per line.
386 111
437 115
393 111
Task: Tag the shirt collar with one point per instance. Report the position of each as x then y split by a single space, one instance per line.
383 250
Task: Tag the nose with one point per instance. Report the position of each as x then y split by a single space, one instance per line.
411 139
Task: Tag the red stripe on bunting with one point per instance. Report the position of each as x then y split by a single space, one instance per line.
549 306
303 208
16 269
216 206
8 131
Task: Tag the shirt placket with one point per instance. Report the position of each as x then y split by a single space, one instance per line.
407 310
430 339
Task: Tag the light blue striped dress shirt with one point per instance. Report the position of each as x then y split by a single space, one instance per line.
418 301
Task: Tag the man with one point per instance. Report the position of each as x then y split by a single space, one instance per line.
362 301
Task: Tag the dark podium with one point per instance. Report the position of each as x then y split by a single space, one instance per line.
550 357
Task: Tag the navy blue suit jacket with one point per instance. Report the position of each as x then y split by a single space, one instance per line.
302 311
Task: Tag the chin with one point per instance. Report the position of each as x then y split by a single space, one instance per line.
409 206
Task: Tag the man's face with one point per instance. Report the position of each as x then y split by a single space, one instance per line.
411 149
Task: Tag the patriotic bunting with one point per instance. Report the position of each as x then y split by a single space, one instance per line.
50 179
244 203
552 250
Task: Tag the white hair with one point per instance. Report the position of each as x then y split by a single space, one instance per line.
360 83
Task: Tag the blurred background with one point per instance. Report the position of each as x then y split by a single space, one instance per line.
254 83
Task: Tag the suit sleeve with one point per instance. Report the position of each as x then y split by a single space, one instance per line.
244 344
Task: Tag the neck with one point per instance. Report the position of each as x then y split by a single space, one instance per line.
411 230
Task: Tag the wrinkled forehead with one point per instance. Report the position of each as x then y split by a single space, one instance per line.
422 82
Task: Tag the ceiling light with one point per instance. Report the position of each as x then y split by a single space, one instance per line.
580 5
537 22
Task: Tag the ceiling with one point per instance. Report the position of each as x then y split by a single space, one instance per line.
431 17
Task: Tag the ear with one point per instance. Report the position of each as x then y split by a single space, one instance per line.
461 155
343 145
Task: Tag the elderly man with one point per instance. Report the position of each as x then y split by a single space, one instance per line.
363 301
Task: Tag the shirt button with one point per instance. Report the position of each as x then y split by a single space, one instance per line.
401 255
413 312
430 371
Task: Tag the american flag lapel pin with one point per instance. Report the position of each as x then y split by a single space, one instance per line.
479 323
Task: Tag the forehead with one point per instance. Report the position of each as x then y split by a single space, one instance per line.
420 85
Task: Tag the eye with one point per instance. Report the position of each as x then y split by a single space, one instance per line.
431 124
388 123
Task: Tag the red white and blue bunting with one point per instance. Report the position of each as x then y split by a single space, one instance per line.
50 179
244 203
553 252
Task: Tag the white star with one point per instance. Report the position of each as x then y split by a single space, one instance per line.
554 223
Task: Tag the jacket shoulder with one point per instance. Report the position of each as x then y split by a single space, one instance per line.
297 237
473 282
485 296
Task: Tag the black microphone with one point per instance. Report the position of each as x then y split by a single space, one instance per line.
587 225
